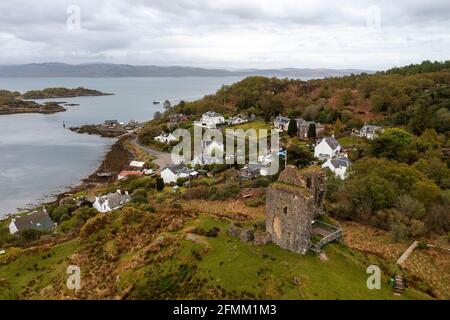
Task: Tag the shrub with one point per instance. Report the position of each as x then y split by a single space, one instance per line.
398 231
159 184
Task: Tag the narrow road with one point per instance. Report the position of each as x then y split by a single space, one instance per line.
163 159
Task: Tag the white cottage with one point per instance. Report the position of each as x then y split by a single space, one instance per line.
236 120
111 201
174 172
211 119
37 220
327 148
339 166
166 138
370 131
281 123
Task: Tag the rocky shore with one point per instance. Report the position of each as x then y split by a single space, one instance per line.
101 130
116 160
20 106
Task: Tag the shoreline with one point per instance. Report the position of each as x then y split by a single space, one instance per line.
116 159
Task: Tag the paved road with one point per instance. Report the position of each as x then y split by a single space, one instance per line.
163 159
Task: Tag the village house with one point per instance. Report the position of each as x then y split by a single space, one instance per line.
281 123
369 131
236 120
178 118
292 205
127 174
111 201
252 171
137 165
173 172
37 220
327 148
210 152
132 125
339 166
166 138
303 128
210 120
111 123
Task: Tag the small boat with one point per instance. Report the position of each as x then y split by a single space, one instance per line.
156 102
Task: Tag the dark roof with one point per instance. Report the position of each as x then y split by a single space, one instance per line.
332 142
178 169
38 220
115 199
212 114
370 128
281 119
340 162
254 167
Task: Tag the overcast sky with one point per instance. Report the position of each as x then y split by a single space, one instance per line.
227 33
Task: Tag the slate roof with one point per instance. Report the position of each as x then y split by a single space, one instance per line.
178 169
283 120
340 162
38 220
115 199
370 128
332 142
212 114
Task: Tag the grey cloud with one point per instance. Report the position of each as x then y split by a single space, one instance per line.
226 33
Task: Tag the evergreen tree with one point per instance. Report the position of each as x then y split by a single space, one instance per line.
292 128
159 184
312 131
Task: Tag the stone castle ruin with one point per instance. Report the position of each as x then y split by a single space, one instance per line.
292 204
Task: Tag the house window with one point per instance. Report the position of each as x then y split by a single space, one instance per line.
285 210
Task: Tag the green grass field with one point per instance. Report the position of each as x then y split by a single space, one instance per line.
268 272
211 267
34 271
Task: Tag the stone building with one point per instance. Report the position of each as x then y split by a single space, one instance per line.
292 204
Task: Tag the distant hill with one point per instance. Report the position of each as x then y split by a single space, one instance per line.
105 70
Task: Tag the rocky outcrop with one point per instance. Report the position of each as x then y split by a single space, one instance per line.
262 238
51 93
103 131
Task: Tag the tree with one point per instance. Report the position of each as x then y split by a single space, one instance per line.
159 184
312 131
167 105
338 127
292 128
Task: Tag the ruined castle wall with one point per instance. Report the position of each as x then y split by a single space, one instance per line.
288 218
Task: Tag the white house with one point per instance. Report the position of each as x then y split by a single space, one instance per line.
111 201
212 118
338 166
137 164
370 131
281 123
327 148
37 220
211 151
166 138
236 120
174 172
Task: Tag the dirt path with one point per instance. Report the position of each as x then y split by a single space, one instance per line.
163 159
407 253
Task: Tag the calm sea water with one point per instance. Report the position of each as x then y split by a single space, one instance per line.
39 159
